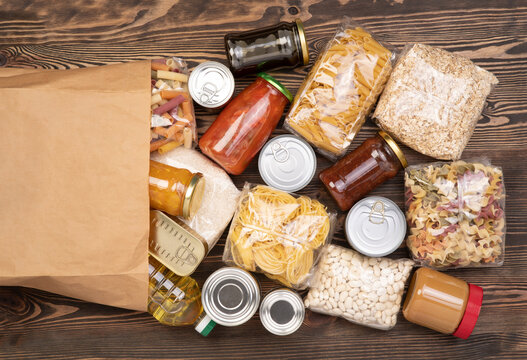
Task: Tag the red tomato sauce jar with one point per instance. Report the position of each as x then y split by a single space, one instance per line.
243 127
376 160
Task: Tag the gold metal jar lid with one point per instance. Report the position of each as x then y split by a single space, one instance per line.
193 196
303 41
396 149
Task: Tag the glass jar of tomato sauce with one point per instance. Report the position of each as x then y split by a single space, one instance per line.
376 160
177 192
243 127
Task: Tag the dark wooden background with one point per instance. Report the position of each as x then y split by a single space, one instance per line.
68 34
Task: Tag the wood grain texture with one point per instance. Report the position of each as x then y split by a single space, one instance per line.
45 34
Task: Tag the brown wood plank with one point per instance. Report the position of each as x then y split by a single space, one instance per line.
44 34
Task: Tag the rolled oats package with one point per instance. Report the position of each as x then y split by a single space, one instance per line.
433 101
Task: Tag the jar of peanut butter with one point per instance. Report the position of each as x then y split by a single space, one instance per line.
442 303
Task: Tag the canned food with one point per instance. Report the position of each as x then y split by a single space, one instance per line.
282 312
375 226
230 296
287 163
174 244
211 84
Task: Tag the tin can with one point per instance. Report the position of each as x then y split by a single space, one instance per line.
174 244
375 226
282 312
287 163
211 84
230 296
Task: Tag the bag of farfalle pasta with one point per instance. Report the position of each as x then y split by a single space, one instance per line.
455 213
278 234
341 89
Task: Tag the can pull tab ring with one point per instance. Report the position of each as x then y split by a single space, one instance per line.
280 153
377 211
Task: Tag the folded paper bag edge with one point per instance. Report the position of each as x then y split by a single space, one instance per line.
131 289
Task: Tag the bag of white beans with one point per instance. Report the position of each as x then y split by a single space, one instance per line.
363 290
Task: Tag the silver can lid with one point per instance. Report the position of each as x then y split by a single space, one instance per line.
211 84
230 296
287 163
375 226
282 312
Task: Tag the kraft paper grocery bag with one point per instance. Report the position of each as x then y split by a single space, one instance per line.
74 155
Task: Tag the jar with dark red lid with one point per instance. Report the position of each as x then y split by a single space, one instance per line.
376 160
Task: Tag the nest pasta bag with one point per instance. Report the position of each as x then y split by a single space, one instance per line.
278 234
340 90
75 153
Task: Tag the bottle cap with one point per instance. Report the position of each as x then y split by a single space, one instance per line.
395 148
230 296
303 42
287 163
375 226
211 84
282 312
271 80
468 322
205 325
193 196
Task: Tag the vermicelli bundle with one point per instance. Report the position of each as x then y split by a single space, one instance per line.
277 234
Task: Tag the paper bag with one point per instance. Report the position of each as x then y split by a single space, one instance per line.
74 149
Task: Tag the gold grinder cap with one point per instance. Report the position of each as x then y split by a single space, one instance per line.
303 42
193 196
396 149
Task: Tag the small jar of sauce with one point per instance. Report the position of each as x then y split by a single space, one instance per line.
177 192
280 45
376 160
442 303
245 124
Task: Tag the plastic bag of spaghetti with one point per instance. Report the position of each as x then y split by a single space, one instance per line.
341 89
278 234
172 121
455 213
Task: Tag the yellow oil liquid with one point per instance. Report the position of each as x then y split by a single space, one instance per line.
173 300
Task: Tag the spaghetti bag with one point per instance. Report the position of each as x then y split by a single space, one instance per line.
278 234
340 90
364 290
455 213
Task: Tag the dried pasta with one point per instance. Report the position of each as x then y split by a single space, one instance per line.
172 111
277 234
455 213
340 91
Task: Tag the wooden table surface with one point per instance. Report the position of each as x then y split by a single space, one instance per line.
68 34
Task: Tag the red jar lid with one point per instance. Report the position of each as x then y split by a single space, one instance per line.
467 324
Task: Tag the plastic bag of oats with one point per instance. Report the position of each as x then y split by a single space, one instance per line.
433 101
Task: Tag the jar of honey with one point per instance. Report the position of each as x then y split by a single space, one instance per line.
376 160
442 303
177 192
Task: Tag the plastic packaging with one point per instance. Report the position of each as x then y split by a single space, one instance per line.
443 303
278 234
433 101
366 291
455 213
172 122
340 90
219 198
243 127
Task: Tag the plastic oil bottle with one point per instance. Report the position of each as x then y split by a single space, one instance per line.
176 300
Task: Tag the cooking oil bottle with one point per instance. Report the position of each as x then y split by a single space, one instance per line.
176 300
